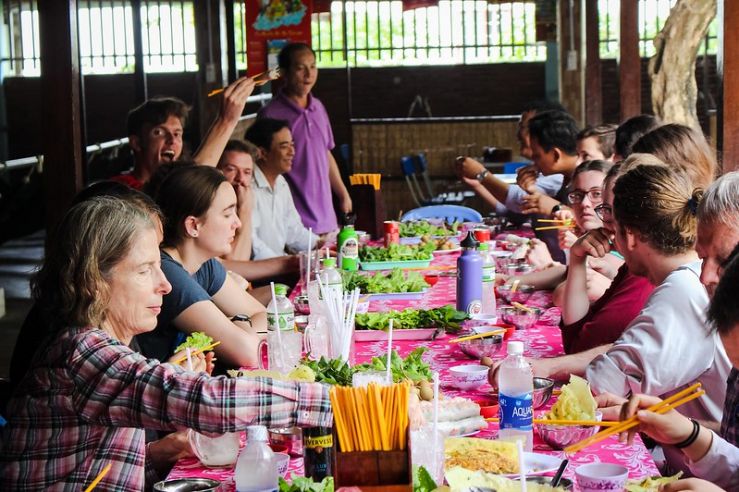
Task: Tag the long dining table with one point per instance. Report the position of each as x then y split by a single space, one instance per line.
542 340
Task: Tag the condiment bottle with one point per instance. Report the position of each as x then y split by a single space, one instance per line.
469 277
256 469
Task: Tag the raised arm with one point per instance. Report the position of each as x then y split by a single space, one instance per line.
232 106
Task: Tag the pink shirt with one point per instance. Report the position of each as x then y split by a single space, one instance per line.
309 178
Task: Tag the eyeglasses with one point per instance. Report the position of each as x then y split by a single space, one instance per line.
577 196
604 212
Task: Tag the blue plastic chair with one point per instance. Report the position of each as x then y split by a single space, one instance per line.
450 213
512 167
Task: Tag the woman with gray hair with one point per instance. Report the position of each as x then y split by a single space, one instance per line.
87 397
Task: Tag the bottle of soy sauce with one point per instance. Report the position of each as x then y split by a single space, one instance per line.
318 452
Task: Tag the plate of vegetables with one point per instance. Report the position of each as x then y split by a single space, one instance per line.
395 285
413 232
409 324
396 256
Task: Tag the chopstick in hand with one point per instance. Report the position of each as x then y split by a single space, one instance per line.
664 406
196 352
259 80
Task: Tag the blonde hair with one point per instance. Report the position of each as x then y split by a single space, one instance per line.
658 203
92 238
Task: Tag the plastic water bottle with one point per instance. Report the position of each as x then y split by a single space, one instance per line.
330 276
516 391
488 280
469 277
256 468
285 311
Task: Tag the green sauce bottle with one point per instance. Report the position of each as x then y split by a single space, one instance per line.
348 245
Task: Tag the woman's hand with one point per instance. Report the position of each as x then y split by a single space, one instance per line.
201 362
691 484
667 428
468 167
595 243
166 451
538 255
610 405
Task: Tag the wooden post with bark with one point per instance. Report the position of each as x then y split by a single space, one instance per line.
672 68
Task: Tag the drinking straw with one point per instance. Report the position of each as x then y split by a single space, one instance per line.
521 469
277 324
189 359
99 477
388 373
436 421
514 285
310 253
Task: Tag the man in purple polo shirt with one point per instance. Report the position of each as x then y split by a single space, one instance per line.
314 174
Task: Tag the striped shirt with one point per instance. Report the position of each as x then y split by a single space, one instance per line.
87 398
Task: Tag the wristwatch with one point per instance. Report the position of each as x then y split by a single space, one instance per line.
480 177
556 208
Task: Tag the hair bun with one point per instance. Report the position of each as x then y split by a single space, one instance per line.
694 201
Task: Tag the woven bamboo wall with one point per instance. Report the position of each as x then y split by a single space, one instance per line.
378 147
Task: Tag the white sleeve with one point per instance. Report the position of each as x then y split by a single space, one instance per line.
296 233
259 249
666 346
514 199
550 185
720 465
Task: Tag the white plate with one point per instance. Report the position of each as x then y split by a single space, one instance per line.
405 334
447 251
537 464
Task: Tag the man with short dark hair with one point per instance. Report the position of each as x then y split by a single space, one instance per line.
314 174
277 228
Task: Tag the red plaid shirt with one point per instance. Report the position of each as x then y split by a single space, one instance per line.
87 398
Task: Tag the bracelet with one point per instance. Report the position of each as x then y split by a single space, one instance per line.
691 438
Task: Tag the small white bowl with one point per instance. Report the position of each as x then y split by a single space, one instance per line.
599 477
469 376
215 451
282 460
483 320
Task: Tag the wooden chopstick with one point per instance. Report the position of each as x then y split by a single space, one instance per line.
547 228
593 423
196 352
556 221
521 306
257 83
670 403
99 477
479 335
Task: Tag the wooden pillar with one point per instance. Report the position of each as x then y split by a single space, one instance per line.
64 158
571 69
728 78
593 79
629 64
210 75
139 73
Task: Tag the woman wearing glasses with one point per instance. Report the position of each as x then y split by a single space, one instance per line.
585 325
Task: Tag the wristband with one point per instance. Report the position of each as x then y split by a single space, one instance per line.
242 317
480 177
691 438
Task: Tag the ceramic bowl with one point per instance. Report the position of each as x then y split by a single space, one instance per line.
561 436
599 477
215 451
469 376
521 318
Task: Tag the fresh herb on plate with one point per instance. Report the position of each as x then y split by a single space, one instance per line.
305 484
378 283
330 371
412 367
445 317
422 481
396 252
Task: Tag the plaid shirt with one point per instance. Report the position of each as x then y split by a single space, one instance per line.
86 399
730 421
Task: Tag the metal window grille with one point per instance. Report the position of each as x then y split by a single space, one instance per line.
240 34
652 17
105 36
381 33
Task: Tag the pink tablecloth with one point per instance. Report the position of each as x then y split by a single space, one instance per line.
543 340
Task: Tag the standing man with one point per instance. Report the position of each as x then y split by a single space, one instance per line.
314 173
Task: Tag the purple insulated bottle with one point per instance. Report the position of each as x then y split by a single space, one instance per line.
469 277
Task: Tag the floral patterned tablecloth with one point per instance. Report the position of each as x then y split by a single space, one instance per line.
543 340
